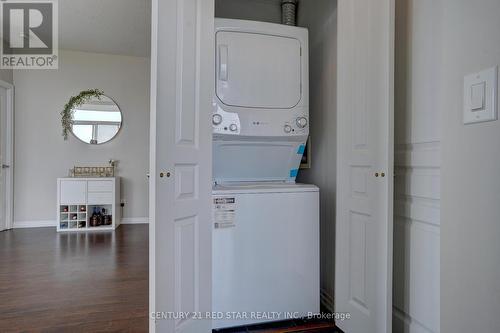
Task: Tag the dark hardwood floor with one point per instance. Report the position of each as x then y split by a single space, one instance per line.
87 282
74 282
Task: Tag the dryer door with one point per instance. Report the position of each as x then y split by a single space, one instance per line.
258 70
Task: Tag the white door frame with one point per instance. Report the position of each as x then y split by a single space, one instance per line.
9 155
152 163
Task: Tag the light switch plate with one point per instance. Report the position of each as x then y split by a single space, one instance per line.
481 96
478 93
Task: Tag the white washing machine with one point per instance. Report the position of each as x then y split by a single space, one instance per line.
261 101
265 253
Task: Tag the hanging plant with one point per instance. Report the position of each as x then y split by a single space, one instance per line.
75 101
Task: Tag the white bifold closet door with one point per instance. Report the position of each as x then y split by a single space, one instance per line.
181 165
363 272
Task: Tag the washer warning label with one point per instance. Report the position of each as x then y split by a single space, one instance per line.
224 213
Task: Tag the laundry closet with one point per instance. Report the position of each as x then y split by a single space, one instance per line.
266 145
267 226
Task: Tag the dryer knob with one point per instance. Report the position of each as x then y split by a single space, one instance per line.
233 127
301 122
288 128
216 119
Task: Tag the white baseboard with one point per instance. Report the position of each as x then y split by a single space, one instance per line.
34 224
53 223
135 220
327 300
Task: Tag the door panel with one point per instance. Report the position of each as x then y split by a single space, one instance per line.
181 164
100 198
270 79
73 192
363 278
100 186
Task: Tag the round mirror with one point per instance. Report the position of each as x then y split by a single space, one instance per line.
97 121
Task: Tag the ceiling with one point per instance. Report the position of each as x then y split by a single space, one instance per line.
120 27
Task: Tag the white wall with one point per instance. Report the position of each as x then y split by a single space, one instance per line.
320 17
41 154
470 215
449 39
417 166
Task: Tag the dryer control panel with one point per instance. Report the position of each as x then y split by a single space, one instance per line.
256 124
297 125
226 122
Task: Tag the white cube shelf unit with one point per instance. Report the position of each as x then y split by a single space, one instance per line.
77 198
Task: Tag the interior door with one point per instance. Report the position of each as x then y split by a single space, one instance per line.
182 85
363 272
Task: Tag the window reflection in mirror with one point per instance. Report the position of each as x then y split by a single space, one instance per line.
97 121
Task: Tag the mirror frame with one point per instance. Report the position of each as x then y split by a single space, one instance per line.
114 137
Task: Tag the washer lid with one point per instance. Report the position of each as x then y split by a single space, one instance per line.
261 187
262 160
256 70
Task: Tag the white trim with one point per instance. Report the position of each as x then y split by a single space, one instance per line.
35 224
53 223
9 155
135 220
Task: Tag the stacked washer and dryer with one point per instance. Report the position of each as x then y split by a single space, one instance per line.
266 227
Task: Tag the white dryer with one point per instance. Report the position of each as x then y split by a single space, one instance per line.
261 101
